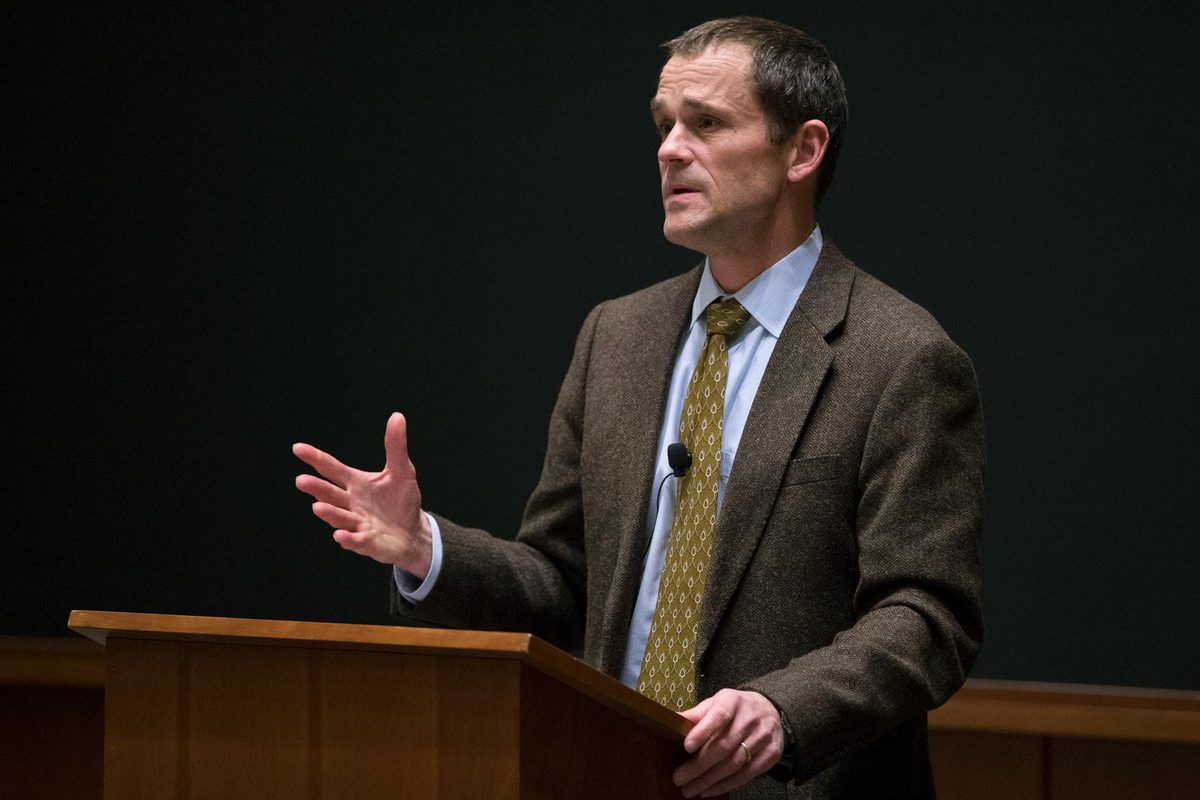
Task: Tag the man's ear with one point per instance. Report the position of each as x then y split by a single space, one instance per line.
809 143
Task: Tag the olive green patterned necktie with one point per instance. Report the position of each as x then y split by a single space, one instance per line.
668 673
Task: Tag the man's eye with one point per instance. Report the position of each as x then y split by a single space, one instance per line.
707 123
664 129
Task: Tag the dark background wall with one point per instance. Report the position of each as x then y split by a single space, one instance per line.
228 230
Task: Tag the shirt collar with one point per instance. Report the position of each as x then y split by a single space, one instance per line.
772 295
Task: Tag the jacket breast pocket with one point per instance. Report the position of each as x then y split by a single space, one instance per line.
814 468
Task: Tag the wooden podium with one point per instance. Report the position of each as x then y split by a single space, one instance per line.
203 707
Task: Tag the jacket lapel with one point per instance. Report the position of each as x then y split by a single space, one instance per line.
785 397
648 354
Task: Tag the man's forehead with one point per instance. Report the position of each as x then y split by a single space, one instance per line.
719 69
720 57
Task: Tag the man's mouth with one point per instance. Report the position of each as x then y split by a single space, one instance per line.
679 189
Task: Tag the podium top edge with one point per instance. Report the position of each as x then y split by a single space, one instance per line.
100 625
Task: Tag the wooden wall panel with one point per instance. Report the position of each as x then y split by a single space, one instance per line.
987 766
51 718
1089 769
1094 742
51 742
1072 711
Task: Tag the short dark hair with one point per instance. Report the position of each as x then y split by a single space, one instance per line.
791 73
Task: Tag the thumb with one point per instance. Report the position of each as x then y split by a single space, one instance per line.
395 444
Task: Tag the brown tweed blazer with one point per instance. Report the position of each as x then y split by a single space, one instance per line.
844 579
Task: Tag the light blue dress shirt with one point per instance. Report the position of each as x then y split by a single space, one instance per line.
770 299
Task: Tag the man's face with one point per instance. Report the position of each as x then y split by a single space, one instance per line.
723 181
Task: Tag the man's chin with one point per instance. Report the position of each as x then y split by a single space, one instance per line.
683 234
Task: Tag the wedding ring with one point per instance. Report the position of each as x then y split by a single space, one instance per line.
749 755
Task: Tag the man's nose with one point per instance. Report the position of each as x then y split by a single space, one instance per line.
675 146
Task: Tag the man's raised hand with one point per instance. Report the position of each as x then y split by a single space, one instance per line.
375 514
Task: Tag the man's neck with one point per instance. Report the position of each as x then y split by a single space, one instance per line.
733 269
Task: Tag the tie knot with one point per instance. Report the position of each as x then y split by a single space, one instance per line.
726 318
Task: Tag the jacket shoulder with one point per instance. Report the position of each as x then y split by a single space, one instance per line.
654 298
882 321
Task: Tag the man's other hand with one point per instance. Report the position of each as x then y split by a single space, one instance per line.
737 737
375 514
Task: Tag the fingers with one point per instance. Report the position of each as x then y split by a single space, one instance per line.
736 738
395 445
353 541
742 764
374 514
748 772
719 758
322 490
337 517
706 724
323 463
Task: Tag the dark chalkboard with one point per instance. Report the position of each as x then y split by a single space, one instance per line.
225 230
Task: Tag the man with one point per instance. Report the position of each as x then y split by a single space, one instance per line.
834 597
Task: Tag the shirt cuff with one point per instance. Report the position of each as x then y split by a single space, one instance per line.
413 589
